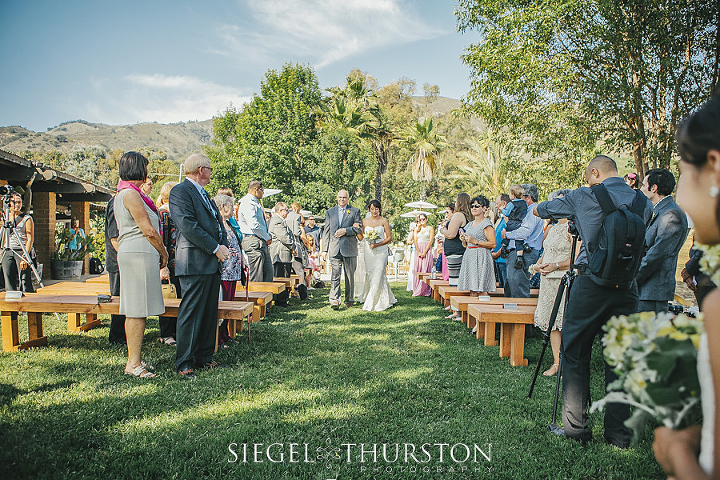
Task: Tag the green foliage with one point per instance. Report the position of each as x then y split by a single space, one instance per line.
86 245
563 77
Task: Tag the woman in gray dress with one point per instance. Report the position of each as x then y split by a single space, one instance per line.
141 254
477 272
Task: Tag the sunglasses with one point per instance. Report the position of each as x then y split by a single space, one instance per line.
475 206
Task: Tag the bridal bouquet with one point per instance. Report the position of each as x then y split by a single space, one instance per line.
655 357
371 235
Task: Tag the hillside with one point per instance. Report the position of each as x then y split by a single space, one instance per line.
177 140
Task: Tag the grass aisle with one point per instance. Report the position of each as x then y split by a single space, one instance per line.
310 376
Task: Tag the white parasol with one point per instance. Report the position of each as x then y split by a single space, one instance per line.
420 204
270 191
414 214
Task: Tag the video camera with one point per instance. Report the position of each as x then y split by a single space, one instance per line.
6 190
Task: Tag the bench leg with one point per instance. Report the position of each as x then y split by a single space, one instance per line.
468 320
517 347
35 327
490 334
74 322
257 311
10 331
480 331
506 331
91 321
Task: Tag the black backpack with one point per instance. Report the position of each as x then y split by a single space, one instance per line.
621 241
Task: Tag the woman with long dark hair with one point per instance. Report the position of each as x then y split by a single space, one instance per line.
454 249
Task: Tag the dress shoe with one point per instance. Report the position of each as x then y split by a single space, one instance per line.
560 432
348 305
621 446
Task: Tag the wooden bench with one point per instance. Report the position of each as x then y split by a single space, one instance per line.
272 287
435 284
447 291
261 301
105 278
512 328
35 304
461 303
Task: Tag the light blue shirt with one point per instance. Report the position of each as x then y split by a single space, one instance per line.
531 230
498 239
251 218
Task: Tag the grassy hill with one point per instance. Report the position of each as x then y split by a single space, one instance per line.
177 140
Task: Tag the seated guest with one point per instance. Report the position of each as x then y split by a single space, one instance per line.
16 270
140 256
232 267
553 263
168 325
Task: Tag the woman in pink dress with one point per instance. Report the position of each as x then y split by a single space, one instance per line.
424 260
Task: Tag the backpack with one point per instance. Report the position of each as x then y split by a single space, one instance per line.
621 241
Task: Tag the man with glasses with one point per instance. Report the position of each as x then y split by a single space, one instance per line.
256 236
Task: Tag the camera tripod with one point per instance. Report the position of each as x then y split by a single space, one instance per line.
565 285
6 231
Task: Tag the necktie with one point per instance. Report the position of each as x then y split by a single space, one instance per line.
206 198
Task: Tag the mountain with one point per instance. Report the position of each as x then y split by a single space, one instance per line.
177 140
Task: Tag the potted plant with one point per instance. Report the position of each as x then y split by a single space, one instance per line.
66 263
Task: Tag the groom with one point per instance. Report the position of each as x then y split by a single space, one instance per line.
339 238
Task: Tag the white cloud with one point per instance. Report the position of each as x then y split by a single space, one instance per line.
166 99
323 31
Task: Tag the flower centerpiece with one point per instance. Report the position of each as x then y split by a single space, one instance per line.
655 357
371 235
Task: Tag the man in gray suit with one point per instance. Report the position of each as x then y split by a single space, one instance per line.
281 248
664 238
200 249
339 239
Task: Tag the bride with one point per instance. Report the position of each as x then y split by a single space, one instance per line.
376 292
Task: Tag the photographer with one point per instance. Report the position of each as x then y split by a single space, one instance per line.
590 305
16 271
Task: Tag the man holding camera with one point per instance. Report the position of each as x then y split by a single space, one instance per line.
590 305
529 236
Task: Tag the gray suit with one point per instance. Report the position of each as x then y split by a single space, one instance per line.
282 240
342 251
664 238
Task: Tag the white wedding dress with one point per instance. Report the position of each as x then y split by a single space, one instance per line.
376 292
707 397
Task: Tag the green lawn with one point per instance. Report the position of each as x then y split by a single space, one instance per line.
310 376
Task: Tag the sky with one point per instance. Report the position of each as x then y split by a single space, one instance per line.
166 61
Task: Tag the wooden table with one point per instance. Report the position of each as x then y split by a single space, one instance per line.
35 304
512 328
461 303
105 278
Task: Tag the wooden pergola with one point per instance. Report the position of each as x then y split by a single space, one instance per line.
49 191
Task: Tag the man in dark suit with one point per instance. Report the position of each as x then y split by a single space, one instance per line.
664 238
117 322
339 239
200 249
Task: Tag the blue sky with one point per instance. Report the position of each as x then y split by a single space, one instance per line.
177 60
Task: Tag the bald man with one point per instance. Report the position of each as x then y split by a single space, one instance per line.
590 306
339 242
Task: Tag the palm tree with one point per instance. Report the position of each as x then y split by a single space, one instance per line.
484 168
424 144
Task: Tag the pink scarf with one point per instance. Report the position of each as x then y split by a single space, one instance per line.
123 184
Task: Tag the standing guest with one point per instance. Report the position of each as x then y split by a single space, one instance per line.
691 453
339 242
695 279
300 262
200 250
449 210
664 238
117 322
256 237
410 249
140 256
76 243
590 305
281 249
477 272
147 187
517 283
424 260
232 270
557 247
168 325
16 271
632 180
514 213
314 231
454 248
232 221
500 264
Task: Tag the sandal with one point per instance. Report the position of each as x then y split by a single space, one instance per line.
140 372
146 366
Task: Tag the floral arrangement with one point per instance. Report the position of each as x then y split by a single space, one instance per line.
710 261
655 357
371 235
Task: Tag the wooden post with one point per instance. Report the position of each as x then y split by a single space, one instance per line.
44 211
